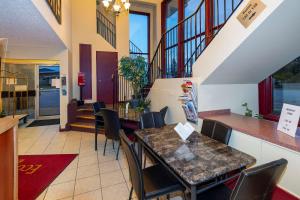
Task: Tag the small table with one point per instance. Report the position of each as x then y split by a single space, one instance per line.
129 120
200 164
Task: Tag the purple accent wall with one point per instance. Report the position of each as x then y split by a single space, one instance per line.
85 61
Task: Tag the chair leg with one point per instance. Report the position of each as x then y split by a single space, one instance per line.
113 144
96 141
184 195
145 160
130 194
104 146
117 157
168 196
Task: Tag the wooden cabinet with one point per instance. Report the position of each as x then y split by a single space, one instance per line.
9 159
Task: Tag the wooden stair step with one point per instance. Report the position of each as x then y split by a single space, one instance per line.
83 125
85 109
91 117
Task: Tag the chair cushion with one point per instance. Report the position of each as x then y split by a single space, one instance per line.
158 181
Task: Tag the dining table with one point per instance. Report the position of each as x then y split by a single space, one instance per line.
129 119
198 163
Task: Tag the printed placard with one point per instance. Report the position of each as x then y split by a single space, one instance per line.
289 119
253 9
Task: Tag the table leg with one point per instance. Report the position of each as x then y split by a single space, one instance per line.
193 193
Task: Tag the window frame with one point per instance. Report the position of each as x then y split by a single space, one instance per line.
265 95
148 15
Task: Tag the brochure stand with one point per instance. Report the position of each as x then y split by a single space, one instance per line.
189 101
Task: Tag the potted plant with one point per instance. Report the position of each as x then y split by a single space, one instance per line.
143 105
134 70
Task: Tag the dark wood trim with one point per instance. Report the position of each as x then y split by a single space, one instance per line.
85 60
180 60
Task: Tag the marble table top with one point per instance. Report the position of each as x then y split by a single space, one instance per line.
199 160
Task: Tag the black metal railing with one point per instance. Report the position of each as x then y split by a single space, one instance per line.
184 43
55 6
106 29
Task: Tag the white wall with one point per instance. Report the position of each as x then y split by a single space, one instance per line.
62 30
84 31
165 92
237 54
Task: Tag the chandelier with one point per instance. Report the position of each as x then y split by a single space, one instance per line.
117 6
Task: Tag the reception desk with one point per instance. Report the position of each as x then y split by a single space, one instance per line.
9 159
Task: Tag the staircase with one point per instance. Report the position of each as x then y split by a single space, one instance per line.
106 29
81 118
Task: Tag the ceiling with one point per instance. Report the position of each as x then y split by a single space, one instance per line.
23 25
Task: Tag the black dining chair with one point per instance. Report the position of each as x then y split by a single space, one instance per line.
99 123
151 120
256 183
151 182
208 126
112 127
222 133
163 112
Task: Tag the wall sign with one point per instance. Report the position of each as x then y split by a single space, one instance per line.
289 119
252 10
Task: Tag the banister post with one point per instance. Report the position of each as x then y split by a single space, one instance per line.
209 21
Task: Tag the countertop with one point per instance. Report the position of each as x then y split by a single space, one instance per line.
262 129
7 122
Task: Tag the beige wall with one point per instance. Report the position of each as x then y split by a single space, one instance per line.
62 30
84 31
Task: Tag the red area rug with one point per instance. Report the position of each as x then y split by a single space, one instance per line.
37 172
278 194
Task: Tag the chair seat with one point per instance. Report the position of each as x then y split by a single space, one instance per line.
158 181
221 192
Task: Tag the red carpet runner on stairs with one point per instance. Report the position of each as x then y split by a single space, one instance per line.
37 172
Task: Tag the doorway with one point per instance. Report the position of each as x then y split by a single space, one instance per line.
49 91
107 64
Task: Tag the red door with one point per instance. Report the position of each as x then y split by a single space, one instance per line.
107 64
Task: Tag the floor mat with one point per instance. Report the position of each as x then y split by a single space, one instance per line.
45 122
37 172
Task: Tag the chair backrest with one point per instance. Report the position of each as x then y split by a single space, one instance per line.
111 123
222 133
259 182
97 106
151 120
163 112
135 169
208 127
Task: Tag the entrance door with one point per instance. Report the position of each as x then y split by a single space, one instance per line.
49 88
107 63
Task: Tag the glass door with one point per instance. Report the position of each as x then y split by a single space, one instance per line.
49 90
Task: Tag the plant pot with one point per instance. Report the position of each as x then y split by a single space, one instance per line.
146 110
134 103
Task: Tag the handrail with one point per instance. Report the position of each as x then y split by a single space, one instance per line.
192 43
106 28
133 48
55 6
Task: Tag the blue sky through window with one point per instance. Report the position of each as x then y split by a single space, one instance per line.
138 31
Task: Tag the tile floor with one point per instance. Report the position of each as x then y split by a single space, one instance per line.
91 176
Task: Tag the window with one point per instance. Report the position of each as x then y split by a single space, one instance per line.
139 34
281 87
172 14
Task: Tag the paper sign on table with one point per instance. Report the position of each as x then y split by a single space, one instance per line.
184 131
289 119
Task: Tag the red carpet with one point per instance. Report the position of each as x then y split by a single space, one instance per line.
279 194
36 172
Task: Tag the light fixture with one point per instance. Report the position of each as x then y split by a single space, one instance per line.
116 6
